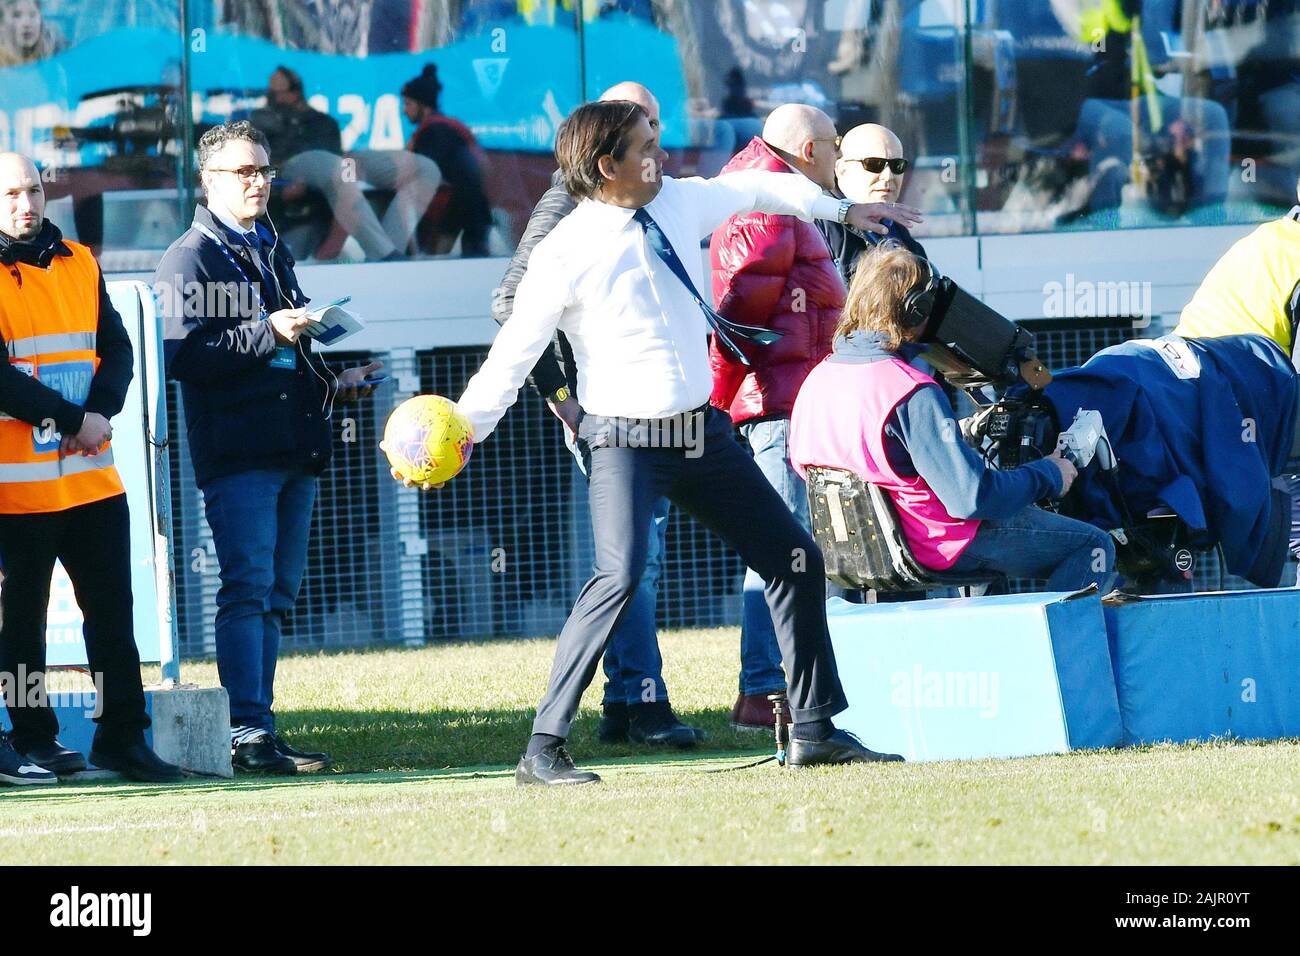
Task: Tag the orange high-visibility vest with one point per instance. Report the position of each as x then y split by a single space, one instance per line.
48 320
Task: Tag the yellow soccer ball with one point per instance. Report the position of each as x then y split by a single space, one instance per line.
427 439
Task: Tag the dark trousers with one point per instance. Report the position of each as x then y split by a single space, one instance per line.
93 542
715 480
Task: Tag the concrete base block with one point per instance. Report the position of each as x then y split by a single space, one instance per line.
191 727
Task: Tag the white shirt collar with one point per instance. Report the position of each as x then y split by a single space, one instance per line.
606 214
231 223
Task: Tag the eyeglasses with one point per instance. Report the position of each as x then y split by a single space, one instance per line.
246 174
877 164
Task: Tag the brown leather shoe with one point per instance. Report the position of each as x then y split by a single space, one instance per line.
754 712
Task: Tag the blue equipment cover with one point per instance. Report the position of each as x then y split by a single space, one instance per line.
1198 425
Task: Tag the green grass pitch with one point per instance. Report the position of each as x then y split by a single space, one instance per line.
425 740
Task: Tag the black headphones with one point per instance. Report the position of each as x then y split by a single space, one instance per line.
918 304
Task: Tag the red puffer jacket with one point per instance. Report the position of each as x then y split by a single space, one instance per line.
776 272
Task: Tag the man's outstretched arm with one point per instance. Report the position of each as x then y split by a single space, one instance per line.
782 194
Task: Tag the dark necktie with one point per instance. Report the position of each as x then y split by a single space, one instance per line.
270 288
727 332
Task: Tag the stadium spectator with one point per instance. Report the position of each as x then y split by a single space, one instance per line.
61 498
866 410
258 405
308 145
460 208
25 37
776 272
632 663
624 260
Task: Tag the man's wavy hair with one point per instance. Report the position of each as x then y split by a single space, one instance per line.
884 276
211 141
593 130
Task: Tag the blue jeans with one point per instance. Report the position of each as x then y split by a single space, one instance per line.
260 521
760 657
632 662
1035 543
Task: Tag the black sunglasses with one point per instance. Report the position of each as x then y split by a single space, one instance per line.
877 164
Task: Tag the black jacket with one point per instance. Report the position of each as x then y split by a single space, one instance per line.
847 244
556 366
241 413
28 400
291 132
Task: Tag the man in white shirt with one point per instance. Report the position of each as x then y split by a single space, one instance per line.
620 276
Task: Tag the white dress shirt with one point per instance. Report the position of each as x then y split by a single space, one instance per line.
227 219
639 339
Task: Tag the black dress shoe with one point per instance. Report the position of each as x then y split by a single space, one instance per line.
136 762
839 747
56 758
552 767
657 726
261 756
304 761
613 724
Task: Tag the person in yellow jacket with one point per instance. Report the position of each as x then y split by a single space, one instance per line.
1255 289
68 366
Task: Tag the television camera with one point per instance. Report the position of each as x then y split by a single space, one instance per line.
992 360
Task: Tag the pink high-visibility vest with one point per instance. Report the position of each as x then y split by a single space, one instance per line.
839 420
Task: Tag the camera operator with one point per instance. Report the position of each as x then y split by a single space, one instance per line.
865 409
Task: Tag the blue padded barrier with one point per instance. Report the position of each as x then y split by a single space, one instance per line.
1005 676
1200 666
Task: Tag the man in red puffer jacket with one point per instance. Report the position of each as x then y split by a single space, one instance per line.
776 272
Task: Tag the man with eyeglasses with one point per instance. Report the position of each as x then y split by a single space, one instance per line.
870 168
776 272
258 403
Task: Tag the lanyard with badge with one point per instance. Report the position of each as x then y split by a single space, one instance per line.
285 355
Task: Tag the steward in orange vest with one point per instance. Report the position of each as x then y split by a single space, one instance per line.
69 364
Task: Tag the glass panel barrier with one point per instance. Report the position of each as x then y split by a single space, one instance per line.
399 127
1133 113
719 68
91 92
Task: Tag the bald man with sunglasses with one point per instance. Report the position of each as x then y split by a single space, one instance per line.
870 168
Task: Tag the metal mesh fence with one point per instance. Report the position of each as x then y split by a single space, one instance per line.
501 551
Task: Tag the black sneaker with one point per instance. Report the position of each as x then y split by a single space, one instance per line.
303 761
657 726
613 723
261 756
17 771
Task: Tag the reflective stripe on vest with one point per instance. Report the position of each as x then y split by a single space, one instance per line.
48 320
55 469
45 344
